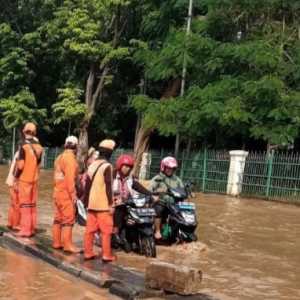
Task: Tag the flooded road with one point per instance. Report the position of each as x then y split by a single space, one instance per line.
253 246
25 278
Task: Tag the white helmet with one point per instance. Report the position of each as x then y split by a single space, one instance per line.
168 162
71 140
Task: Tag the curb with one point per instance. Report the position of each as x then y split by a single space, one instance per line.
124 283
117 285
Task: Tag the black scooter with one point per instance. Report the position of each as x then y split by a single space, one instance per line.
182 222
138 232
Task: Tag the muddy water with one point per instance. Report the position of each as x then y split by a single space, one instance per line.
253 246
24 278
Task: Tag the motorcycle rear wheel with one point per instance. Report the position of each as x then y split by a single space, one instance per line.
148 246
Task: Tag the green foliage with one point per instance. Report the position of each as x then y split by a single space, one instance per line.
14 70
69 106
243 70
243 65
17 109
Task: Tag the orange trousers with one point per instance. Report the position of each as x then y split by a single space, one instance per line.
14 209
27 198
64 209
96 221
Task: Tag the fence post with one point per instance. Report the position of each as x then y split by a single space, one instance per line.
44 156
182 166
270 168
204 170
236 171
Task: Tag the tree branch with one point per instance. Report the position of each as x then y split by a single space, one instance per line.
89 87
99 88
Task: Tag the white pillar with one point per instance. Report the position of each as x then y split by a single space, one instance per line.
236 172
43 159
145 165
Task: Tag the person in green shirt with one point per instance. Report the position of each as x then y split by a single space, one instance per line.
160 184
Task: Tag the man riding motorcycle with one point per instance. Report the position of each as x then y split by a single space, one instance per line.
160 184
125 185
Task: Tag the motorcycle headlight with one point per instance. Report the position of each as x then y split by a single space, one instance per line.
139 202
176 194
188 217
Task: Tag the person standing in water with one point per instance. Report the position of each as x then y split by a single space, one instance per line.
65 176
27 174
100 203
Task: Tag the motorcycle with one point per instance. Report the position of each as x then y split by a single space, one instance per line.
138 232
181 222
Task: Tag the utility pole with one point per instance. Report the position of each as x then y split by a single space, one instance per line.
184 67
142 86
188 30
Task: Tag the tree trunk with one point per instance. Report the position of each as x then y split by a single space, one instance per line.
189 147
143 136
142 145
83 144
69 128
137 129
13 143
177 144
83 130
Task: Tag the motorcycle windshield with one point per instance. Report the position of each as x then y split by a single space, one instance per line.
178 193
186 206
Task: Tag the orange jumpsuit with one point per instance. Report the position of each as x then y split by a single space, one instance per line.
27 172
65 174
14 209
99 216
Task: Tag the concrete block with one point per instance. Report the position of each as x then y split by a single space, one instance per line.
172 278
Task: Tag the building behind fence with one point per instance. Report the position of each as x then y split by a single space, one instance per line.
274 175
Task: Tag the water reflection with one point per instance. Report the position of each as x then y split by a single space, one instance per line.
25 278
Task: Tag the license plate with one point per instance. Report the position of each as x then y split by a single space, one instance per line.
145 212
186 205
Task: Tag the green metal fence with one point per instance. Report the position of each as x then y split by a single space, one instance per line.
273 176
207 169
50 155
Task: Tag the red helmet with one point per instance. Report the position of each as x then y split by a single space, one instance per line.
124 159
168 162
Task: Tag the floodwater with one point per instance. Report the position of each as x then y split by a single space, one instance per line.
25 278
252 247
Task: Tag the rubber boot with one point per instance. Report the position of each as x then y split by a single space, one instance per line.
25 223
56 234
67 240
17 218
88 246
33 220
13 218
10 222
107 255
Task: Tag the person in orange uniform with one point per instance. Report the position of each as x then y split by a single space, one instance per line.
100 203
27 174
14 209
65 175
